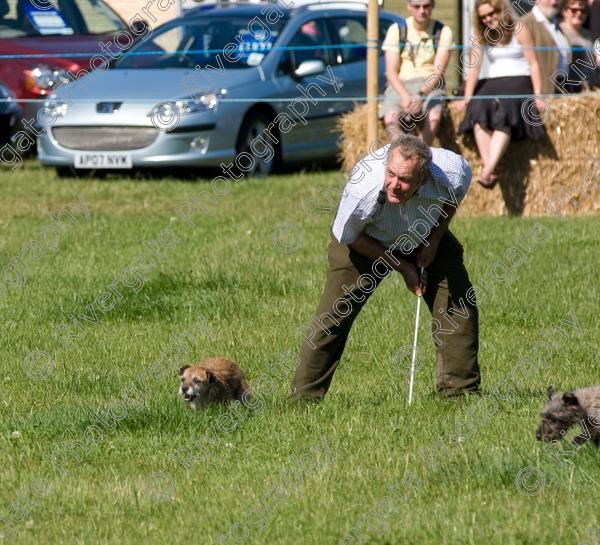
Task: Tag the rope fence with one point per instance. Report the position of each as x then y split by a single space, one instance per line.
358 99
458 47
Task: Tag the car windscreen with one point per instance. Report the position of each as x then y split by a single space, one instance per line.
232 42
56 17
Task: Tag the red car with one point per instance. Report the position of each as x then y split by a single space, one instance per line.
44 42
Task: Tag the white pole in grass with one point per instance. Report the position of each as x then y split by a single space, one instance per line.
414 348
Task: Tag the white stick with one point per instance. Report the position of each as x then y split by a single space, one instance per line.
414 350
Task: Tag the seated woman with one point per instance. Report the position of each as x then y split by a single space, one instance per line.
512 70
583 69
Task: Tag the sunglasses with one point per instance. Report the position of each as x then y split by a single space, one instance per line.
484 16
577 10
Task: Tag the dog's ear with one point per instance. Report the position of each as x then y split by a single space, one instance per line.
210 376
570 398
550 392
182 369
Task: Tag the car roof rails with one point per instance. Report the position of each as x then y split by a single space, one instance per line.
188 5
307 4
298 5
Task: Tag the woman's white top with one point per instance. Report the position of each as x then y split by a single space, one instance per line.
507 60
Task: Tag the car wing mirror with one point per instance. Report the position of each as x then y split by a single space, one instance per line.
139 26
309 68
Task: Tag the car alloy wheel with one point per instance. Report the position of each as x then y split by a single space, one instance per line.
254 126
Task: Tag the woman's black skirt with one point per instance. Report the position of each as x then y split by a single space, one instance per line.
519 115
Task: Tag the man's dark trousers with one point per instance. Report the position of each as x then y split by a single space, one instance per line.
456 338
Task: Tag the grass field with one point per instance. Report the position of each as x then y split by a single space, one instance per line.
156 473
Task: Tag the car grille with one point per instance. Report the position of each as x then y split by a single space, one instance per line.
105 138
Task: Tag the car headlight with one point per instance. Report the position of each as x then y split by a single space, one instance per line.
189 105
166 115
42 79
55 108
205 102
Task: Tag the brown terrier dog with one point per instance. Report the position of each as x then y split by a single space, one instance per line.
214 380
563 410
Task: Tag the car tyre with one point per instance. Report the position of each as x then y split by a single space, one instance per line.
254 125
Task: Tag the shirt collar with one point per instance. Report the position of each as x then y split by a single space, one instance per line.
427 189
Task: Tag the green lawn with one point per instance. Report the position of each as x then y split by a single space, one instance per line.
358 468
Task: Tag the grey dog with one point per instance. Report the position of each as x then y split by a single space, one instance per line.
563 410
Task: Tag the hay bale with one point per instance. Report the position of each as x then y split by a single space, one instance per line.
557 175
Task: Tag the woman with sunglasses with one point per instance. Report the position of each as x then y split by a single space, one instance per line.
512 69
583 74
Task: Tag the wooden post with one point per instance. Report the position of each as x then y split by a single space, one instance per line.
372 71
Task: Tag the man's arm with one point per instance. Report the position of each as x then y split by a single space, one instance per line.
426 252
374 250
393 61
440 62
436 80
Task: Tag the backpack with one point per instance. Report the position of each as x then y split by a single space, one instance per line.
437 30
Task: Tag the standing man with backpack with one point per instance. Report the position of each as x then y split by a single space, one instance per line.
416 57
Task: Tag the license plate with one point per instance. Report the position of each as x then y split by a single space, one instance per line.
103 160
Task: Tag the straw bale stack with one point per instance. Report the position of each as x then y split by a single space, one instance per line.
557 175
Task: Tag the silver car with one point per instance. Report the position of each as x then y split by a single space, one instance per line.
238 87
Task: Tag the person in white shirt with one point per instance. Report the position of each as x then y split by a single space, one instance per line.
394 216
513 69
